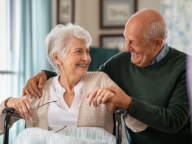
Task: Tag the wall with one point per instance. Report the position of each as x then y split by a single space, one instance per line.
87 16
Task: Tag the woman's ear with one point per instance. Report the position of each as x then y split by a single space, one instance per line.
56 58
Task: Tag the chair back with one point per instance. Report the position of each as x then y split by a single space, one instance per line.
99 56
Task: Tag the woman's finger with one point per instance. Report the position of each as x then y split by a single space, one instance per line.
107 96
15 106
100 97
29 108
21 112
99 91
25 110
92 96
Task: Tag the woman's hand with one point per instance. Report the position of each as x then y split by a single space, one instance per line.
22 106
98 96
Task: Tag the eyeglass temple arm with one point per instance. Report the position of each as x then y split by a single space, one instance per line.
10 113
118 113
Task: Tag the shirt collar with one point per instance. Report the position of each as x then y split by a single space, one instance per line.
161 54
62 89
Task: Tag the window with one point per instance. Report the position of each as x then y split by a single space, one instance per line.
5 51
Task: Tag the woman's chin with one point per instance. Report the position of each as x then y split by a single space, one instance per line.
82 73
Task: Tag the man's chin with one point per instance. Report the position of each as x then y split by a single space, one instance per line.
135 62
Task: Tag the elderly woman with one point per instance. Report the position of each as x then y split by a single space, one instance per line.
64 102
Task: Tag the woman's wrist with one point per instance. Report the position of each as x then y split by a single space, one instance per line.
6 102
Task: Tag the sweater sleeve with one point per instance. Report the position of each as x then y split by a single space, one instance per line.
12 120
50 74
2 117
132 123
170 119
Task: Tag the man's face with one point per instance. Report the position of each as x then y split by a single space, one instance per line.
142 51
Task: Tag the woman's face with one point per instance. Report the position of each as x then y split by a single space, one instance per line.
77 59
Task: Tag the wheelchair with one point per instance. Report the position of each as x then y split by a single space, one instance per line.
10 113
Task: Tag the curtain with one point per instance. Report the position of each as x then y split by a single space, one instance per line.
33 20
178 15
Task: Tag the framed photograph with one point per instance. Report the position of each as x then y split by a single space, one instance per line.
113 41
115 13
65 11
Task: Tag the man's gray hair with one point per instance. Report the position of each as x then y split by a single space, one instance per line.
154 28
58 40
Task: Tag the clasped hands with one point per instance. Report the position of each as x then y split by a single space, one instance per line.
112 97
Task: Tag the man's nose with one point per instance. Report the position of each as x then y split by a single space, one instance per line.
127 48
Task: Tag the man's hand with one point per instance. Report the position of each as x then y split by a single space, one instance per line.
119 100
34 84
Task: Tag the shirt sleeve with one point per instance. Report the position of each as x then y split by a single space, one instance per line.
50 74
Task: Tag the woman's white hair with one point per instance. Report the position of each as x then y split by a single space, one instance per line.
58 40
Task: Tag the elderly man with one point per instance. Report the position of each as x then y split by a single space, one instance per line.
152 77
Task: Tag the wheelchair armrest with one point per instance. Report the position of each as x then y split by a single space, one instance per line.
10 113
118 113
8 110
121 111
13 113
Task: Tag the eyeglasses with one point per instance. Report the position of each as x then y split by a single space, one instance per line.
32 122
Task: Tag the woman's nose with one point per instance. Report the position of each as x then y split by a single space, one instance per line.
86 57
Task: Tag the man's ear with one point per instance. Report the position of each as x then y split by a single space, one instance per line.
159 43
56 58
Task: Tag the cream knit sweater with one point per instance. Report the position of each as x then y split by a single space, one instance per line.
87 116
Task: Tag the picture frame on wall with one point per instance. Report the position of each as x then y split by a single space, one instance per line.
65 11
113 41
115 13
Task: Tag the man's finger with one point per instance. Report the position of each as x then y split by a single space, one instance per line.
23 92
41 82
35 89
28 93
32 91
